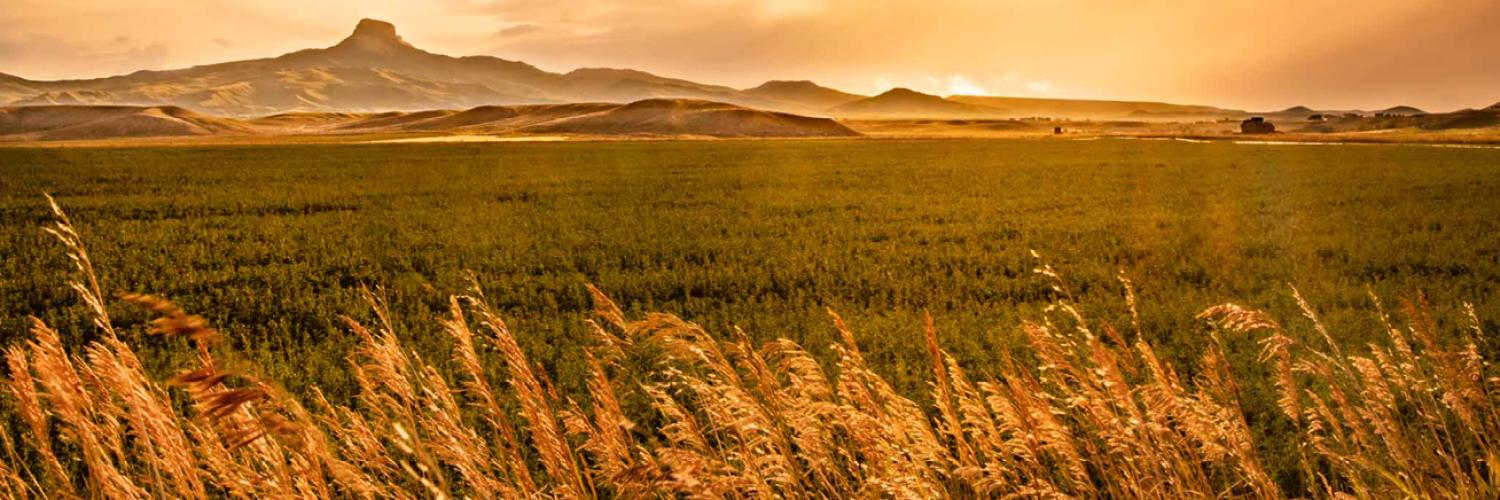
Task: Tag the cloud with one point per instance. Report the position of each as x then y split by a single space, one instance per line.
518 30
961 85
1042 86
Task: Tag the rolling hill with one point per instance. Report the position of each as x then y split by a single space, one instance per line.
803 95
1457 120
690 117
1402 111
92 122
1084 109
652 117
907 103
13 88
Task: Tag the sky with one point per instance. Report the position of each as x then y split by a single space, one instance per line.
1257 55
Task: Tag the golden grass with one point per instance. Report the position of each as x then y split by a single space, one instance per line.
1099 415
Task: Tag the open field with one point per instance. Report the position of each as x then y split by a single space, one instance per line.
271 243
758 234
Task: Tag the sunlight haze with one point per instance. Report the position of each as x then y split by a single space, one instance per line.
1250 55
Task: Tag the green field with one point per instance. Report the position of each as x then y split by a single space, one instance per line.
272 243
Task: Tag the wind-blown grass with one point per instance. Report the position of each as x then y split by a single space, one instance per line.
673 411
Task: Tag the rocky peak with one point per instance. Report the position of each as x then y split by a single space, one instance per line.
371 35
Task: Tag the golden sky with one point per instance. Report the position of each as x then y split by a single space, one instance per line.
1260 55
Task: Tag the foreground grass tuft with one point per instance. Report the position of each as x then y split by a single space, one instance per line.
671 411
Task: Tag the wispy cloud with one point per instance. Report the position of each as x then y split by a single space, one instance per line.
961 85
518 30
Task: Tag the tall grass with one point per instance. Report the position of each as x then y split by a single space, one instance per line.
673 411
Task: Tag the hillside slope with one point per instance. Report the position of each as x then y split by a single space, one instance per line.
14 88
104 122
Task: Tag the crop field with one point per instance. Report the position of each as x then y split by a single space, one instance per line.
272 244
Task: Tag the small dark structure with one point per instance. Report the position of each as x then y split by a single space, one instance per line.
1257 125
1056 130
1317 118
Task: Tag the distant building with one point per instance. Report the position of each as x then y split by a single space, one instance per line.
1316 118
1257 125
1056 130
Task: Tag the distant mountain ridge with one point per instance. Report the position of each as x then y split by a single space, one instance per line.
374 69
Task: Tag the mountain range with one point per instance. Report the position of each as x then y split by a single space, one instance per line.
375 81
375 70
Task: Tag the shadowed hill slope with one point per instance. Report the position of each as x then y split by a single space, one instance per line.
94 122
14 87
1402 110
